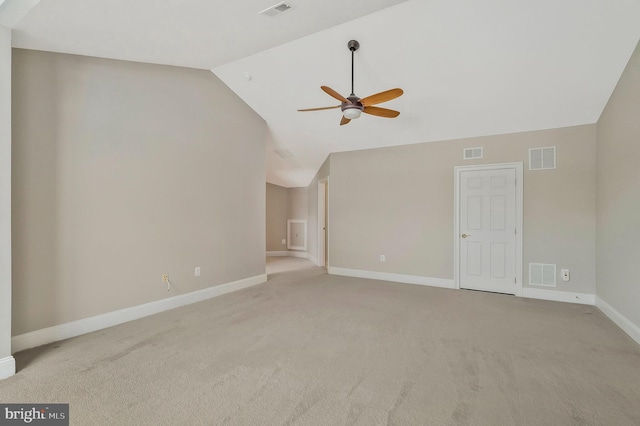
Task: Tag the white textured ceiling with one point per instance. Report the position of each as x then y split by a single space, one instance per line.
189 33
468 68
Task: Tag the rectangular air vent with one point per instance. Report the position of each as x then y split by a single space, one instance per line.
473 153
542 158
542 274
275 9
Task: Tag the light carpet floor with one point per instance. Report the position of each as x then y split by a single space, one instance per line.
308 348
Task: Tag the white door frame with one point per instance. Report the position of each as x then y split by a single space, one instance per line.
321 213
519 211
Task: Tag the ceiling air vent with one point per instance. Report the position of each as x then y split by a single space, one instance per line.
276 9
473 153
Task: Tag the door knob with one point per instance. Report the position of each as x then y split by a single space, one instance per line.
465 235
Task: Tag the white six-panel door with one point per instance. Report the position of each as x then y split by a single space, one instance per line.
487 230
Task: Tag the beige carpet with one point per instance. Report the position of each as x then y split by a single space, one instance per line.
312 349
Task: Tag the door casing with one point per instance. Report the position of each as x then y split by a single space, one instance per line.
323 235
519 222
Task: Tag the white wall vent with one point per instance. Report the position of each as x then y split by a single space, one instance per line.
275 9
542 158
473 153
542 274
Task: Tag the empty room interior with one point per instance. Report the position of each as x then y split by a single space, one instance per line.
373 212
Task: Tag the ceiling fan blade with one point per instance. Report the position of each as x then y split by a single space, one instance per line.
381 97
381 112
344 121
319 109
329 91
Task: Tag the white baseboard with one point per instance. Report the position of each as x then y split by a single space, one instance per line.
7 367
98 322
314 260
289 253
559 296
533 293
621 321
400 278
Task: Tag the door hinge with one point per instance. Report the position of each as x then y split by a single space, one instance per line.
514 281
515 231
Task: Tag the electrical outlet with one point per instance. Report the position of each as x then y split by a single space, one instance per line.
284 241
197 272
165 278
564 273
383 258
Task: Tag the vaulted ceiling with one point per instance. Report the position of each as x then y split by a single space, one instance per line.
468 68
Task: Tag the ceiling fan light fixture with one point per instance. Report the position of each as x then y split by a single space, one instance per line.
352 113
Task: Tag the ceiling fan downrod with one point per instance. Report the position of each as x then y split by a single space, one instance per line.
353 45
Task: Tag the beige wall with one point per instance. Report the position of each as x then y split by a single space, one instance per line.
312 211
399 201
5 196
277 205
121 172
283 204
618 190
298 203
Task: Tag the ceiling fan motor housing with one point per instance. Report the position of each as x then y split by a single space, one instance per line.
354 103
352 108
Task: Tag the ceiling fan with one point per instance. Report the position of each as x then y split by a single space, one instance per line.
352 105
